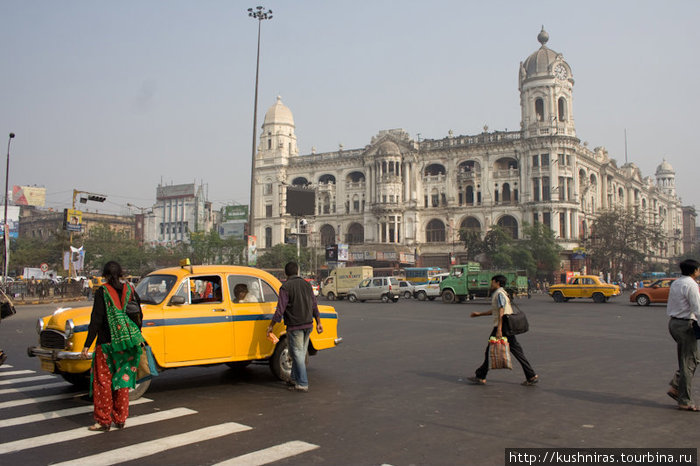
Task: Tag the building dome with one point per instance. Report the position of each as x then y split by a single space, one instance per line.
541 62
279 114
388 148
665 169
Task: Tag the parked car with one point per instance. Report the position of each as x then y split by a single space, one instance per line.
187 326
384 288
584 286
406 289
430 290
657 292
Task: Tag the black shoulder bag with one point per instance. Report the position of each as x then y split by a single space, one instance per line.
133 308
516 322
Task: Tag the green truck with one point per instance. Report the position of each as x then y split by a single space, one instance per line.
468 281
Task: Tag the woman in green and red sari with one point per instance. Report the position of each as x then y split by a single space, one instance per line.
117 351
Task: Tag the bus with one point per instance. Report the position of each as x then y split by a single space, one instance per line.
418 275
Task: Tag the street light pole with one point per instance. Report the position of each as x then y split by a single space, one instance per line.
6 226
260 14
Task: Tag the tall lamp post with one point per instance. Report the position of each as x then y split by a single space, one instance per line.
6 226
260 14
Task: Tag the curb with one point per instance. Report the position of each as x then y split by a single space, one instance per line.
47 301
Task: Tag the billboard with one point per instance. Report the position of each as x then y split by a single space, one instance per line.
252 250
72 220
234 212
29 195
232 230
12 221
301 201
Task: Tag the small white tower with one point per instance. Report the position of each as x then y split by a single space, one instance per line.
546 86
666 178
278 139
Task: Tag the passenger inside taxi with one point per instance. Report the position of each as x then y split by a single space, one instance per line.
240 291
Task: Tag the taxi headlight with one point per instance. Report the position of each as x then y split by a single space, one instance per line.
69 328
39 325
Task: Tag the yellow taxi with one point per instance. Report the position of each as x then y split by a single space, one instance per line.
584 286
190 318
96 282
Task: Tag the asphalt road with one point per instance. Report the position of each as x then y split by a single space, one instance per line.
395 392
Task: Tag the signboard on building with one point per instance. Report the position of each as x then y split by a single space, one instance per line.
234 212
12 221
29 195
370 255
72 220
234 230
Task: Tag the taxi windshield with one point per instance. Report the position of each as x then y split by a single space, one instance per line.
154 288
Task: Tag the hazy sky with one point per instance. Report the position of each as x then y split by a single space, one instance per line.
115 96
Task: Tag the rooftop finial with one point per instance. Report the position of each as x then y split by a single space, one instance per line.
543 37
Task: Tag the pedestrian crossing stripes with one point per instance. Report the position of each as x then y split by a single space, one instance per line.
5 366
81 432
270 455
26 379
140 450
33 388
56 414
41 399
119 455
17 372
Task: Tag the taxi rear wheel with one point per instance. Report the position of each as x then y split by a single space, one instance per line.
598 298
558 297
138 391
281 361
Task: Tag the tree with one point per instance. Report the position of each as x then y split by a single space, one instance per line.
622 241
539 241
472 243
278 255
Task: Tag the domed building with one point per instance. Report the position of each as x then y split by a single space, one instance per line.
399 201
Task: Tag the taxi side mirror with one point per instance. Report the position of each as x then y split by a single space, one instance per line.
177 300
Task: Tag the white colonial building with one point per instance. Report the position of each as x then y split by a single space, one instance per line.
399 199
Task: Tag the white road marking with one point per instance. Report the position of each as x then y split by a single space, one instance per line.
32 388
270 455
5 366
26 379
41 399
81 432
56 414
17 372
139 450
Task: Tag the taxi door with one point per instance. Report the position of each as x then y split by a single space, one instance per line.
575 289
253 303
201 329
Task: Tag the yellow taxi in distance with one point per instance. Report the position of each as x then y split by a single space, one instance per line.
584 286
190 318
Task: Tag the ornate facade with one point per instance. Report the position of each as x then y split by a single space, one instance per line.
409 198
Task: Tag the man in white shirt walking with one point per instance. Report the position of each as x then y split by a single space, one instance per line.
683 308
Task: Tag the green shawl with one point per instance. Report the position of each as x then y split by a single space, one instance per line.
124 351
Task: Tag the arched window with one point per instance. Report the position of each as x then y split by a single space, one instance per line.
356 234
327 235
562 109
355 177
470 224
327 179
510 225
300 181
539 109
435 232
434 169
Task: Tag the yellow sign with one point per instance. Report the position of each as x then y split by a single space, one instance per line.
73 220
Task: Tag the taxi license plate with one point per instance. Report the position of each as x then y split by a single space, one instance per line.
48 365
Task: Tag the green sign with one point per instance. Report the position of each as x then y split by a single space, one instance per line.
234 212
